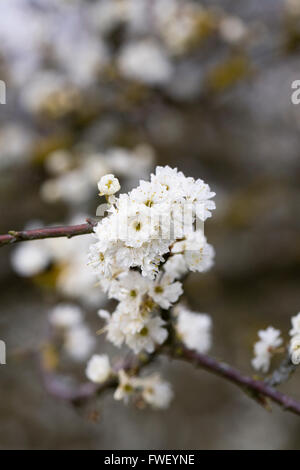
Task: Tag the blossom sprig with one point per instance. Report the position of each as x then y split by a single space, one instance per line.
151 390
265 348
156 219
150 239
145 315
145 223
271 342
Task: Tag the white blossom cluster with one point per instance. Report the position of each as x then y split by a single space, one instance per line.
270 342
152 390
150 238
133 242
155 219
67 57
51 66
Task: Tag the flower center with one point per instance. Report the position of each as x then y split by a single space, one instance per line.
158 290
133 293
149 203
144 331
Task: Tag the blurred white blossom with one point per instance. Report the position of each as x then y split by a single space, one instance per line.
79 342
65 316
294 349
194 329
156 392
30 259
145 61
265 348
98 368
294 346
295 325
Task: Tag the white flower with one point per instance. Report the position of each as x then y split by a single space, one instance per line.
152 333
126 322
296 325
156 392
149 194
115 333
134 326
15 145
175 266
265 348
199 193
294 349
140 227
171 179
76 280
186 189
97 260
145 61
31 258
131 286
194 329
59 162
165 292
200 260
108 185
65 316
126 387
232 29
198 254
98 368
43 86
79 342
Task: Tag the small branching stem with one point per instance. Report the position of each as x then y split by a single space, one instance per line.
49 232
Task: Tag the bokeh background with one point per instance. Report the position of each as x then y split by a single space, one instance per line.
120 86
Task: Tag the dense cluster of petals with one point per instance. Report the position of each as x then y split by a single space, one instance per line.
149 239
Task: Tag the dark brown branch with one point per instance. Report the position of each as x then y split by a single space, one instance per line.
257 389
49 232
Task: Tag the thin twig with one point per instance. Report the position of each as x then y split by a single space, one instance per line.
258 390
57 387
48 232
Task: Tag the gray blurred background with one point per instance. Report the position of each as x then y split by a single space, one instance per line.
225 115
